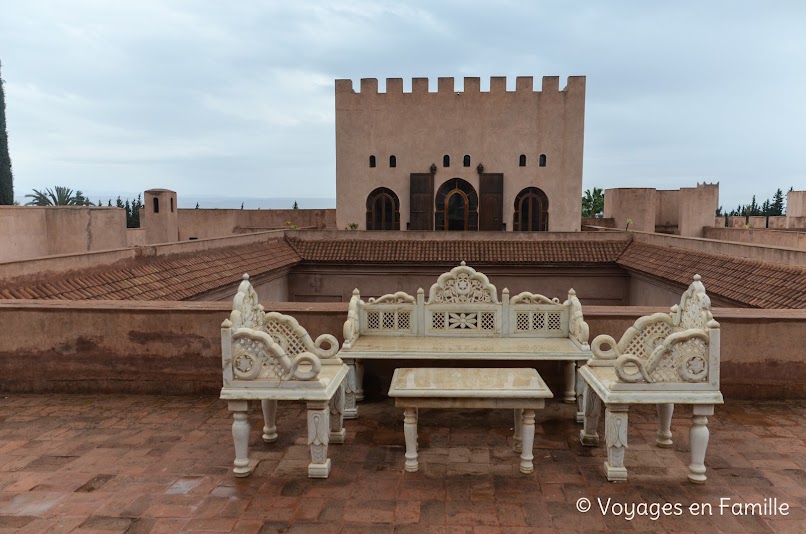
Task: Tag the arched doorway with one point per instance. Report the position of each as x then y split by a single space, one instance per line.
456 206
383 210
531 211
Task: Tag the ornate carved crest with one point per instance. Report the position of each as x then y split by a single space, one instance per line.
401 297
532 298
246 311
695 307
463 285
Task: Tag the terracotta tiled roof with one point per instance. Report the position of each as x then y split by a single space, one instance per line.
754 283
169 278
502 252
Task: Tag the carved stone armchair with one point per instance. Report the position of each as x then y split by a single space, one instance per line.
270 357
662 359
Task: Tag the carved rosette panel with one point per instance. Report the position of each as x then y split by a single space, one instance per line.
318 434
463 285
254 357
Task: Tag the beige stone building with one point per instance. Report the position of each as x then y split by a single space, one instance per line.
470 160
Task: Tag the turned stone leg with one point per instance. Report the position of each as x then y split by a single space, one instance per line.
359 380
616 437
517 438
240 437
410 431
580 388
336 406
269 416
528 441
570 369
350 409
699 441
589 436
664 435
318 438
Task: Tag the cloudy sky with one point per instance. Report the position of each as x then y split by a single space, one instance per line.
236 98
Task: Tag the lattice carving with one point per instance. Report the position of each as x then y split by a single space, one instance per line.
396 298
438 321
403 320
539 321
522 322
488 321
554 321
255 356
373 320
463 285
294 339
662 348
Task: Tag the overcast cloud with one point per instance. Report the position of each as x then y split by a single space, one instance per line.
236 98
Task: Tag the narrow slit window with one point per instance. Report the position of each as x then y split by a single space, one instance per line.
172 204
542 160
156 205
392 161
522 161
466 161
446 161
372 161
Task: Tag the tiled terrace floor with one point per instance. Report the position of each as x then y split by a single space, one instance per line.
162 464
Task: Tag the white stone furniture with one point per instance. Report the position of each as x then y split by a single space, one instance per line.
463 320
269 357
520 389
663 359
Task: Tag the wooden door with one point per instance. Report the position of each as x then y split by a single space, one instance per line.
491 202
421 196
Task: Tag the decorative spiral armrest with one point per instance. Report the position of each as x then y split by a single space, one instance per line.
599 353
625 376
304 357
332 343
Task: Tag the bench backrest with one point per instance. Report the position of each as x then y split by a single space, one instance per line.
681 346
463 303
256 345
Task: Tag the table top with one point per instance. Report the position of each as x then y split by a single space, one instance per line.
469 383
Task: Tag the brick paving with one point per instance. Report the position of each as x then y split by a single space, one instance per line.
140 464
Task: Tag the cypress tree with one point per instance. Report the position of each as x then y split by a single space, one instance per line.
6 177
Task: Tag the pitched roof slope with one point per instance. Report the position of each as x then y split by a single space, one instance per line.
754 283
501 252
176 277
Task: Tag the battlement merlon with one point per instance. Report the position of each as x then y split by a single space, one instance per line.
472 85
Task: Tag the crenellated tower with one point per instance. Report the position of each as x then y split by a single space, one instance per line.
471 159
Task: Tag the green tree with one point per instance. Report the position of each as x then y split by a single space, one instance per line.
6 176
295 206
778 203
58 196
593 203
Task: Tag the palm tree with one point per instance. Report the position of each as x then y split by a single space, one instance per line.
62 196
593 203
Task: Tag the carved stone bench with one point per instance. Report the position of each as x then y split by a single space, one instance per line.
269 357
463 320
663 359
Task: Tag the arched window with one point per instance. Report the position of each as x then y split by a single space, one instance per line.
466 161
531 211
456 206
392 161
156 205
542 160
522 160
372 161
446 161
172 204
383 210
